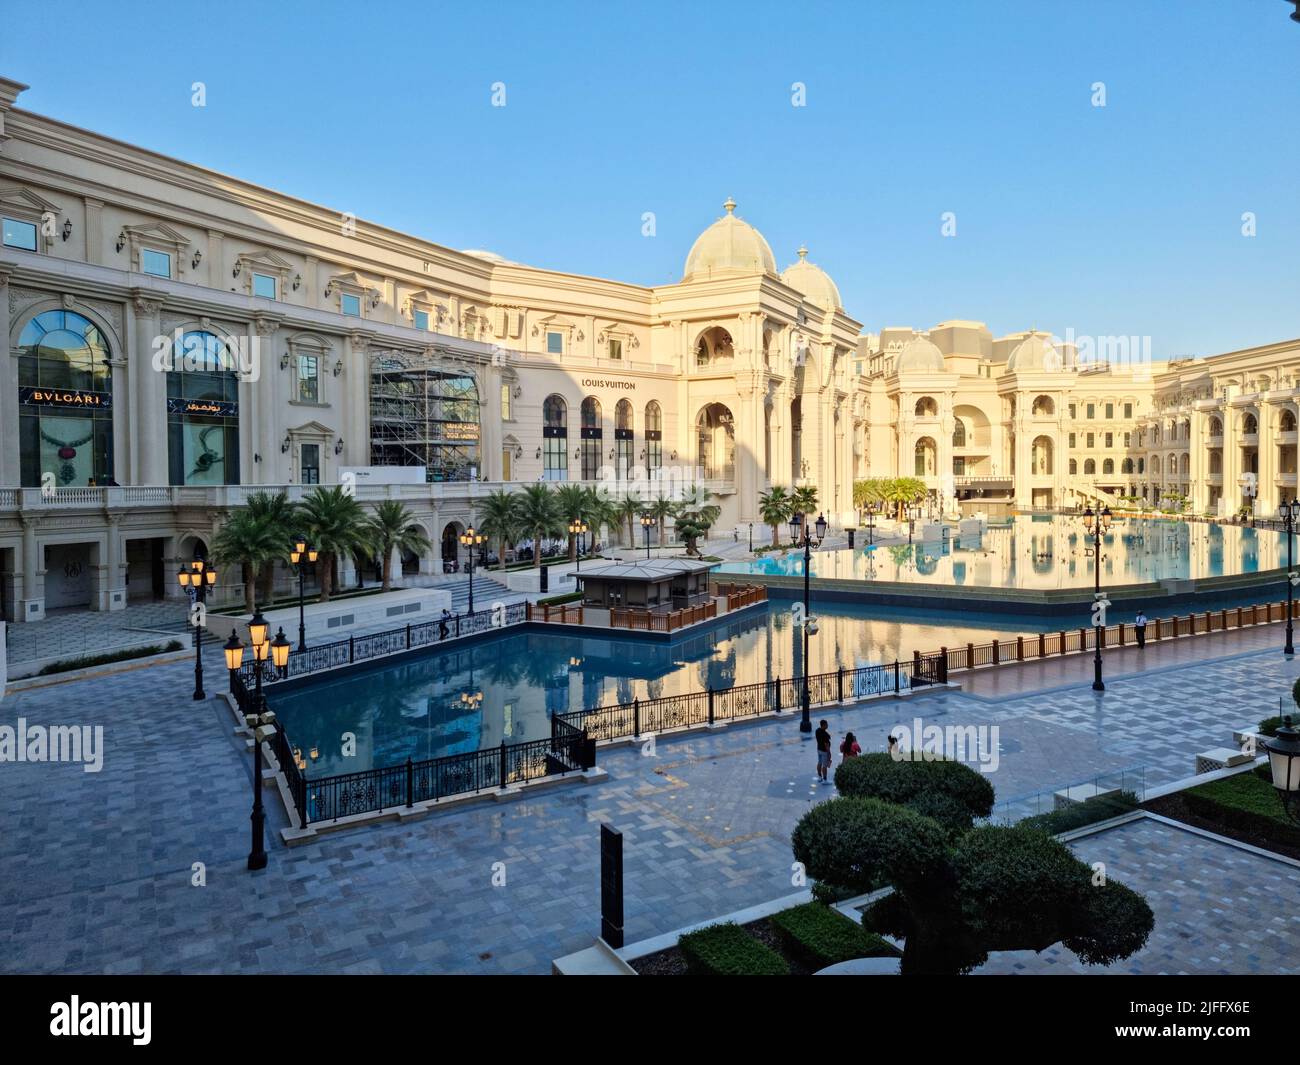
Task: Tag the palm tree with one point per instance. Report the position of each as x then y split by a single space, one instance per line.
280 516
394 527
498 518
662 509
630 508
695 515
775 507
539 515
336 525
804 500
252 542
604 510
574 503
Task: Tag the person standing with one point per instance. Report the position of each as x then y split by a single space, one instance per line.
1140 627
823 738
849 748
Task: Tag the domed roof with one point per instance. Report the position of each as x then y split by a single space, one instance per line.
1035 354
813 282
919 355
729 246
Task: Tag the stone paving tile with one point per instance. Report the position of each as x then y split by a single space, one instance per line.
98 866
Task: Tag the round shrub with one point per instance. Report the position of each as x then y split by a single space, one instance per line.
952 793
1113 921
864 843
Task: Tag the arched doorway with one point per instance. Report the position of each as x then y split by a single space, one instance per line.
450 550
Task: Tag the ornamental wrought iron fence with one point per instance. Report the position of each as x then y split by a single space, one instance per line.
1125 634
715 705
373 645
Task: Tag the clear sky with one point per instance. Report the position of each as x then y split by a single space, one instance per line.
1115 220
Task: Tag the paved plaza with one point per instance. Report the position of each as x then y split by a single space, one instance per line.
100 867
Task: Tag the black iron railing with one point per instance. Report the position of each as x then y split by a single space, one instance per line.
354 649
692 709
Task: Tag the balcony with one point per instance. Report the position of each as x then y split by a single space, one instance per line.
1250 439
1287 480
1214 441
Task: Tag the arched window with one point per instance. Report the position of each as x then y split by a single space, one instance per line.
959 433
623 439
1287 422
1043 407
1126 466
65 399
715 436
555 439
926 407
203 411
1249 425
925 457
654 437
1074 467
1108 467
592 437
1089 467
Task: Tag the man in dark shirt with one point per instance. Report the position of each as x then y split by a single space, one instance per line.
823 738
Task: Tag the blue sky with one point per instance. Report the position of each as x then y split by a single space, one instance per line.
1122 220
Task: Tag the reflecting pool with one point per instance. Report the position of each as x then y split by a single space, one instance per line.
507 688
1048 552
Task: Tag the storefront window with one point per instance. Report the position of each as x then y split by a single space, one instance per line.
555 439
203 412
654 444
65 402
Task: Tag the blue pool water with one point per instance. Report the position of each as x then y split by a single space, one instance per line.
416 708
1047 552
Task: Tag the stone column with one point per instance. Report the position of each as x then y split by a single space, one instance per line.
29 602
115 565
489 462
10 465
149 437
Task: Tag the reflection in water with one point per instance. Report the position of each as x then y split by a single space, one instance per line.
1048 551
417 710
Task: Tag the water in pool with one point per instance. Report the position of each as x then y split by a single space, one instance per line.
507 688
1047 552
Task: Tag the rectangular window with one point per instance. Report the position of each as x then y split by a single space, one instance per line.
1128 437
555 343
1110 439
1091 440
1072 410
264 286
507 463
1072 440
505 403
1110 411
555 458
310 463
616 349
18 234
308 379
350 305
1092 411
158 263
422 320
1128 410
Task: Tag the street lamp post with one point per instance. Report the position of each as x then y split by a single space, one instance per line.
1283 749
871 522
1289 513
799 528
471 539
198 577
1095 526
751 537
579 529
646 521
259 719
301 554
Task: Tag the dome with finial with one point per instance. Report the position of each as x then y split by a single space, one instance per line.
1035 354
729 247
813 282
919 355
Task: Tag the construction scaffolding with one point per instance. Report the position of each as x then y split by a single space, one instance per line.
424 415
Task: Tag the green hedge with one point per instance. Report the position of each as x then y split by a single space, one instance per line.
1246 802
556 600
1079 814
819 936
948 791
728 950
85 662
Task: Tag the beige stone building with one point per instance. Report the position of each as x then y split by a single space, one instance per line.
175 338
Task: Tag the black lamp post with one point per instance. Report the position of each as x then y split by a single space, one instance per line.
1095 526
1284 764
1289 513
260 719
800 528
471 539
579 529
301 554
871 522
751 537
647 520
198 577
1295 15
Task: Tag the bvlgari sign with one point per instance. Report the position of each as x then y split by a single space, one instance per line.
29 396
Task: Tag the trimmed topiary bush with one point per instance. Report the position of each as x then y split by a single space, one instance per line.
818 936
728 950
949 792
